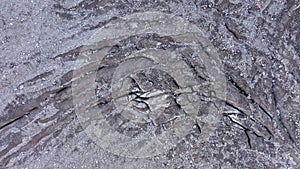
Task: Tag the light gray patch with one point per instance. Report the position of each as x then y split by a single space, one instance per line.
125 114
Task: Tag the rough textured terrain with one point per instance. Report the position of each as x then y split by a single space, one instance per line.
229 98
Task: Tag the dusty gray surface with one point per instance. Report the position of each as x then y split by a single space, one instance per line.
257 124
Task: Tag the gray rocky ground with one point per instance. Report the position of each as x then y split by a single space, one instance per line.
150 84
